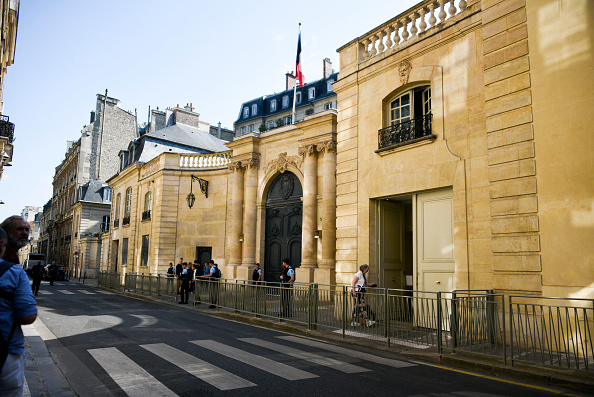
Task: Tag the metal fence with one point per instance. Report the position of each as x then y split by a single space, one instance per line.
528 329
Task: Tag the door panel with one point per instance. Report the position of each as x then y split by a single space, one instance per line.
391 245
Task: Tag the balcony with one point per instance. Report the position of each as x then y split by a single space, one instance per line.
405 133
126 220
6 128
146 215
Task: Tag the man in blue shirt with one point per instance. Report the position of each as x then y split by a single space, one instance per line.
213 286
287 279
17 306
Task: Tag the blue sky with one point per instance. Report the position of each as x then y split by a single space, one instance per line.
213 54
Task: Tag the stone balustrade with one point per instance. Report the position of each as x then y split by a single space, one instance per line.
212 160
419 19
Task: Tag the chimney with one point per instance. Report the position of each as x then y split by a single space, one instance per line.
327 67
92 117
290 80
219 130
189 107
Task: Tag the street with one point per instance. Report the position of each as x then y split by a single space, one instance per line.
107 344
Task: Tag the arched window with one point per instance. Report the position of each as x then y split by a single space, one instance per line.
116 214
148 203
127 207
407 117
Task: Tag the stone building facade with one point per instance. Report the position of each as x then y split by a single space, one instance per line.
451 173
9 16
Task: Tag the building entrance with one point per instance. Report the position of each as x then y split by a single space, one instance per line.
284 213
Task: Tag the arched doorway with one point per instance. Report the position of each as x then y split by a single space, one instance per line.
284 212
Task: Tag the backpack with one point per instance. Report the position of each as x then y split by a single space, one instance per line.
255 275
217 273
9 296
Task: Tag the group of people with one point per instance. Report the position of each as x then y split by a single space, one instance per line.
17 305
189 277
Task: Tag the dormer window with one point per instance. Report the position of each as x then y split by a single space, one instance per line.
273 105
246 112
285 101
251 128
242 131
298 97
254 110
329 85
311 93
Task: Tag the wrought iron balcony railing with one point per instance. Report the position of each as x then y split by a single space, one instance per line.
126 221
6 128
146 215
405 132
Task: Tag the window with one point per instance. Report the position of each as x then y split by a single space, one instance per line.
400 109
285 101
107 192
251 128
148 203
270 125
246 112
328 106
288 120
144 250
427 101
242 131
124 252
311 93
273 105
105 223
127 207
298 97
254 110
329 85
409 105
116 214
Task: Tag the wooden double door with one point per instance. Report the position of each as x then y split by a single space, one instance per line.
284 215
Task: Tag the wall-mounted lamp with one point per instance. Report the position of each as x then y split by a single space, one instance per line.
241 237
317 234
203 188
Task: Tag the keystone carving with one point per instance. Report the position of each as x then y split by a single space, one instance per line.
282 162
404 69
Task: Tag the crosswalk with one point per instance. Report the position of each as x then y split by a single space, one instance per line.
135 380
67 292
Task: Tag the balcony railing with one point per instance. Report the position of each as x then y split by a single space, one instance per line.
126 221
146 215
406 132
6 128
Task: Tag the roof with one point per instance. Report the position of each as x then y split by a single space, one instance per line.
93 191
263 103
186 135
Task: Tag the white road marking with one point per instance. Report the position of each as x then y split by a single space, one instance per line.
65 291
263 363
131 377
209 373
44 292
145 321
26 391
83 291
348 352
312 357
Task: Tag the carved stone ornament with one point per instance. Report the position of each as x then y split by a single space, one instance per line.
282 162
308 150
251 163
234 166
328 146
404 70
286 186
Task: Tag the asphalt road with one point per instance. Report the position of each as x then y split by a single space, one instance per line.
107 344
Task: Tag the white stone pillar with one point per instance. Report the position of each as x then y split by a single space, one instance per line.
249 220
310 206
326 274
236 217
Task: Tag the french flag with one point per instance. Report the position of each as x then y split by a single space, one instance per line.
299 73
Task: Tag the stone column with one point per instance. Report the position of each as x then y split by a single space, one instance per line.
249 219
310 207
326 274
236 218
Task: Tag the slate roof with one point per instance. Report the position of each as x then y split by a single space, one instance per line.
186 135
93 191
263 103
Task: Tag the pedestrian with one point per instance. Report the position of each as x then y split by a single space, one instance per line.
36 276
52 270
287 280
17 306
178 270
257 274
185 283
17 232
213 286
170 277
361 310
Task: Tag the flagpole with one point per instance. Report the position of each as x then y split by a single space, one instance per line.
295 86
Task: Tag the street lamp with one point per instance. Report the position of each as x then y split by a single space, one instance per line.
203 188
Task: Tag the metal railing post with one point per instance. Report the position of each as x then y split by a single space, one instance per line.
439 322
309 306
386 317
511 332
491 315
344 310
454 316
504 330
316 300
158 285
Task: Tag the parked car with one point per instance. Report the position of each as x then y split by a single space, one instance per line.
60 273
